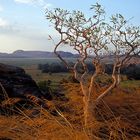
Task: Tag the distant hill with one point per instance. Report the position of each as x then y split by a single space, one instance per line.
35 54
4 54
47 54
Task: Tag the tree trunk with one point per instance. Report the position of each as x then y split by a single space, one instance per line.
90 100
90 119
89 112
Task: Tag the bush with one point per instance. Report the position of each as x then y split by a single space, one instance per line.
72 79
132 71
52 68
45 87
60 67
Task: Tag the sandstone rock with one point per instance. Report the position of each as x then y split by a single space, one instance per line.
16 85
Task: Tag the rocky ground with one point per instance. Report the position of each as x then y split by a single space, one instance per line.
17 87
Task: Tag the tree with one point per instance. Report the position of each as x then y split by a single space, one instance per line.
94 39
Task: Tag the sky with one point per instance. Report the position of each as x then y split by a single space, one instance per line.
23 25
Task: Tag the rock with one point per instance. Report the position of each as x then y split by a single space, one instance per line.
16 85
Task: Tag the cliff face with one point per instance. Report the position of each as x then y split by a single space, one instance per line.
17 86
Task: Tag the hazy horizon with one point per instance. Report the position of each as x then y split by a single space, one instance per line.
32 50
25 50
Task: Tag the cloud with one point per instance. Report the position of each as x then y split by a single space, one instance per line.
3 22
24 1
1 8
47 5
41 3
12 39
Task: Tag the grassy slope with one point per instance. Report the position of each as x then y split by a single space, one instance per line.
118 118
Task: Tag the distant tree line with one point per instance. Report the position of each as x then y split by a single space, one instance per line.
132 71
52 68
60 67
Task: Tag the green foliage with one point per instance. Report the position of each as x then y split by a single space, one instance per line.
69 79
98 9
130 84
45 87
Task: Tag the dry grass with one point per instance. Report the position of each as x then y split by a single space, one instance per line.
117 118
37 75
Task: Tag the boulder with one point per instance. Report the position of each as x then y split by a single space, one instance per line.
17 86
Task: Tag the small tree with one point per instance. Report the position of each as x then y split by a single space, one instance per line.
93 39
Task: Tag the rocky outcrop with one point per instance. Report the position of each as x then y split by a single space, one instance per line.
16 86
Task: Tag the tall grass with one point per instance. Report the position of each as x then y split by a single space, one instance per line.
117 118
